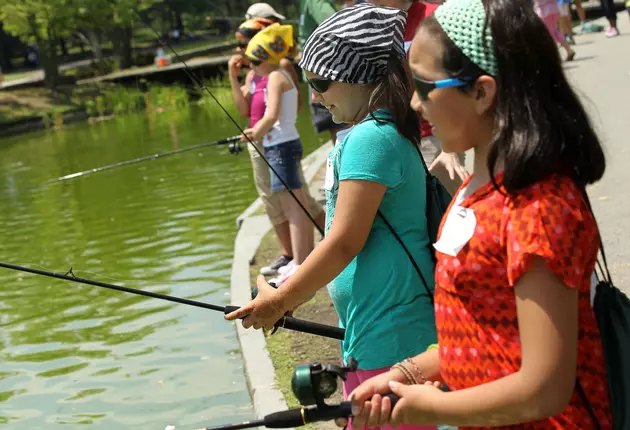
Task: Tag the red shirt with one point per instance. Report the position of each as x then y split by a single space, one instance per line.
475 304
416 13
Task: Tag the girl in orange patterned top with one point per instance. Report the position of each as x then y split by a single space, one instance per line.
519 346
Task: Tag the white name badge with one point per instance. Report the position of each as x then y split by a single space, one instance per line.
329 182
457 231
407 45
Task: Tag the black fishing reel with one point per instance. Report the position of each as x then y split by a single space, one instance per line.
235 148
313 383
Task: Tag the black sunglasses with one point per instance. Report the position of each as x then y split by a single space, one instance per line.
255 62
242 45
320 85
423 88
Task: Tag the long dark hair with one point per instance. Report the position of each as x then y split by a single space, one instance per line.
393 91
540 125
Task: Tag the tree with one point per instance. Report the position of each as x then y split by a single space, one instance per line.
42 22
114 20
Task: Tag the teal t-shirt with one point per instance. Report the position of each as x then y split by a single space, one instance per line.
379 296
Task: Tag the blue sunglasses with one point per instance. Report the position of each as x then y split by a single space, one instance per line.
423 88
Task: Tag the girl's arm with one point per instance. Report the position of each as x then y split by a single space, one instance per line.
548 328
275 88
357 203
240 94
288 66
355 211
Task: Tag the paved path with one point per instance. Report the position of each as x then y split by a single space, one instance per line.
601 75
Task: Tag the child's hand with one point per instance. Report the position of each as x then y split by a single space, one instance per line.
250 133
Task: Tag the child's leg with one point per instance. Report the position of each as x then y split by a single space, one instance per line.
551 22
302 236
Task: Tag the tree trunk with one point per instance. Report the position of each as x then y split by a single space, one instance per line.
50 62
48 57
121 39
179 24
95 44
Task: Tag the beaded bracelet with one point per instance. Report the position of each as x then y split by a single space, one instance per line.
418 372
410 379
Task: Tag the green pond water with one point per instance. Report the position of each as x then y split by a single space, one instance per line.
76 356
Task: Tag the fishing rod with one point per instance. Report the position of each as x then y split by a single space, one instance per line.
227 140
201 86
311 384
285 322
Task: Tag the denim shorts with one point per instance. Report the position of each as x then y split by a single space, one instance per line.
285 159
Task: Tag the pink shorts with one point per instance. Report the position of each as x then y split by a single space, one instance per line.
354 379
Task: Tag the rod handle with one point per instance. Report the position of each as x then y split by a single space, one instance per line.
285 419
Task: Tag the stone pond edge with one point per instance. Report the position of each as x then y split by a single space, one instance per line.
259 371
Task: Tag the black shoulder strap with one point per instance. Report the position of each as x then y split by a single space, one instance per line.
605 271
413 261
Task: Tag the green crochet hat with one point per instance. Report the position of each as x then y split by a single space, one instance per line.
463 22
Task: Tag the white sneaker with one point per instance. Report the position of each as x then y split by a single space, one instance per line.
283 278
286 268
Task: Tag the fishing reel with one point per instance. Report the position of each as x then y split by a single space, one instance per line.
235 148
313 383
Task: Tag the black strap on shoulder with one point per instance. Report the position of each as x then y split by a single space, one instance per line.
413 261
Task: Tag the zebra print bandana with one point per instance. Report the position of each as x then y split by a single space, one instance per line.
354 44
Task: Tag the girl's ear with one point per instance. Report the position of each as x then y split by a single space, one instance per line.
484 92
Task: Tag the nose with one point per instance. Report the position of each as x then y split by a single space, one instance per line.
416 103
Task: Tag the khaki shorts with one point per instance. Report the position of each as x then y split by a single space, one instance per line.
430 147
271 201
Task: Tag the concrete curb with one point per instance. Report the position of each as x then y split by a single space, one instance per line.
259 371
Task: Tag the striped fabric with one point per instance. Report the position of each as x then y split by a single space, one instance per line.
354 44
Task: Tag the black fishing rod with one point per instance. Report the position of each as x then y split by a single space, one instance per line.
228 140
311 384
286 322
202 87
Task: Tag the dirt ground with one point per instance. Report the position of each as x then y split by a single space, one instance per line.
289 349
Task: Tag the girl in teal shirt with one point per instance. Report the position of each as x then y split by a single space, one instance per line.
355 63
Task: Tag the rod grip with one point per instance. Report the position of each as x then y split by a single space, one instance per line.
285 419
332 332
394 398
229 309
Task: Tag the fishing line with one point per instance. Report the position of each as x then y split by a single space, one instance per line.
201 86
286 322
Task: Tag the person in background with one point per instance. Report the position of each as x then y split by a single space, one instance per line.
608 6
566 26
250 102
448 168
313 13
264 10
278 134
581 15
548 12
519 346
374 178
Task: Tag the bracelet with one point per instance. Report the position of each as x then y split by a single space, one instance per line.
410 379
433 346
418 372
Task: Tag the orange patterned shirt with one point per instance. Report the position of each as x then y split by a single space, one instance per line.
475 304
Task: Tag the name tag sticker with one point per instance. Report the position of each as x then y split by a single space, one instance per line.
457 230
